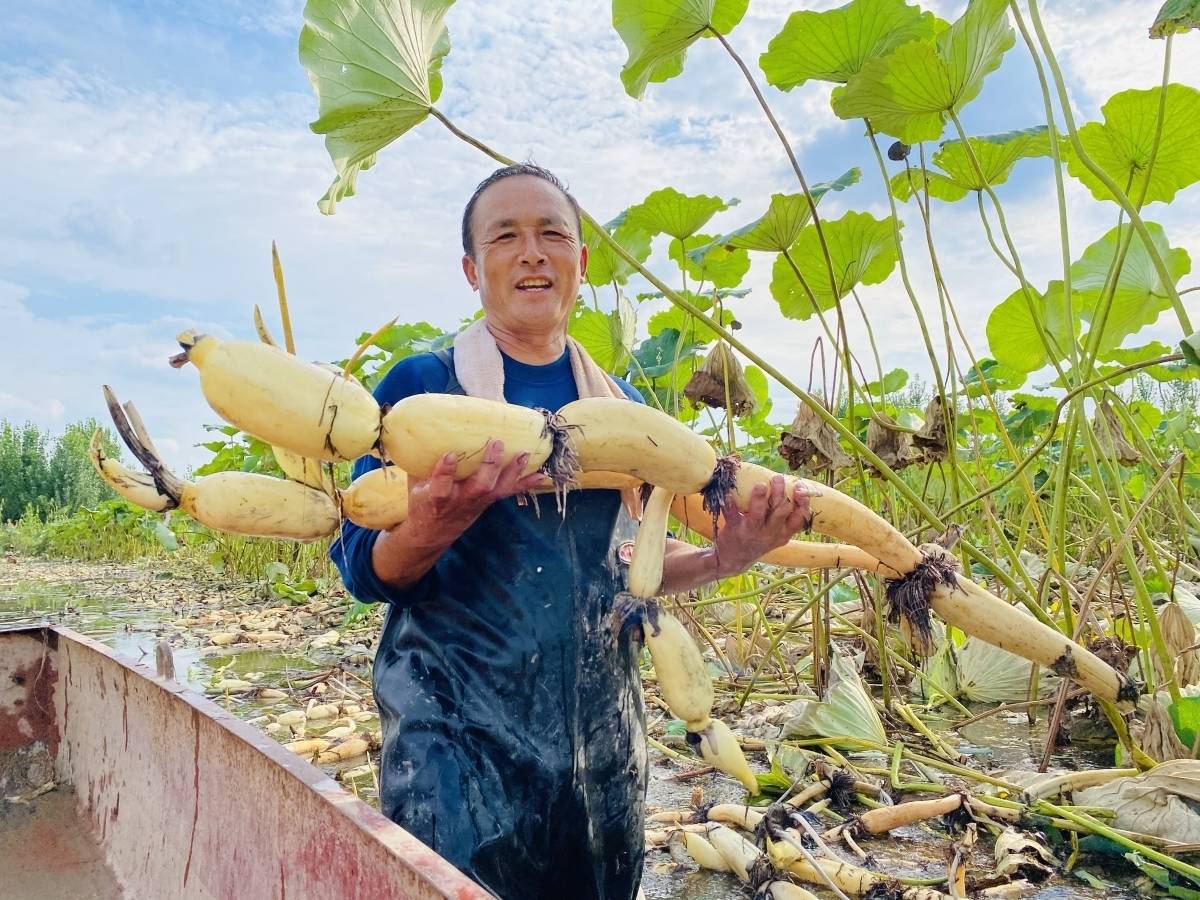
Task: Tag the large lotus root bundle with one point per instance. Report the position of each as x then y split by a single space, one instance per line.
238 502
318 413
720 383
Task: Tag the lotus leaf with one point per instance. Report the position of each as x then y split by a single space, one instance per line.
1157 802
846 710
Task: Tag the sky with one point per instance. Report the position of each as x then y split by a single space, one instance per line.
153 150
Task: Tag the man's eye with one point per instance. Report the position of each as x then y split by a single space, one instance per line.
508 235
553 233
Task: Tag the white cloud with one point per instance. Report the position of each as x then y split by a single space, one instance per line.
1105 48
157 206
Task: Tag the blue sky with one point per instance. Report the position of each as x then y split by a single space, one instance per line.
153 151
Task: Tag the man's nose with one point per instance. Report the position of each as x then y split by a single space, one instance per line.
531 249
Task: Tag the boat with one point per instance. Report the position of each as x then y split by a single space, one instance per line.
118 783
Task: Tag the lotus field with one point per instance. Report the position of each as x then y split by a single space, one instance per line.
976 674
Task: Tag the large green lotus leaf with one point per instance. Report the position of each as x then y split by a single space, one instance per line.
718 266
607 337
987 674
376 68
667 211
687 324
846 710
1140 295
657 34
1176 17
1129 355
1190 348
835 44
1012 331
995 153
909 92
997 376
862 249
657 355
1122 143
604 266
777 229
891 382
938 185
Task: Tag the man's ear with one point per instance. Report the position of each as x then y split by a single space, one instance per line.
583 261
470 271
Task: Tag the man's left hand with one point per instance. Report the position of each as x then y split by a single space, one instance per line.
770 520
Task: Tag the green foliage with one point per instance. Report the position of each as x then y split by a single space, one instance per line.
607 337
376 68
892 382
657 34
995 154
1176 17
393 344
115 529
910 92
709 262
686 324
835 45
1013 328
604 266
667 211
862 250
1139 296
779 227
1190 348
1122 145
45 473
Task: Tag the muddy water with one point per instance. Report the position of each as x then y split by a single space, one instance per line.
132 608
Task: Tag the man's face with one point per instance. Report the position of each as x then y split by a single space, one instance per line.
528 260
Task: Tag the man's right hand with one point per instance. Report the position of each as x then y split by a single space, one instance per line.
441 508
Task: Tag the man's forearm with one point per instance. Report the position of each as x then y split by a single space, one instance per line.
401 558
686 567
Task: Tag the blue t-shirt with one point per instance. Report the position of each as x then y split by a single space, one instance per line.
549 387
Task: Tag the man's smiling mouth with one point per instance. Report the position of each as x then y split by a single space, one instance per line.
533 285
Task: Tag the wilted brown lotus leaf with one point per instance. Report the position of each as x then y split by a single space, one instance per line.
1111 437
707 387
1020 856
931 439
890 443
1157 737
1180 636
810 443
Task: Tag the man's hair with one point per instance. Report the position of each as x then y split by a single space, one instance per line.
468 240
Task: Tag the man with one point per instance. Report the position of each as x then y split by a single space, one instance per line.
513 731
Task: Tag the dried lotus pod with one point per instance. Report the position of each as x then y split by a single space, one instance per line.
1111 437
1180 637
718 380
932 439
890 443
1158 738
810 443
